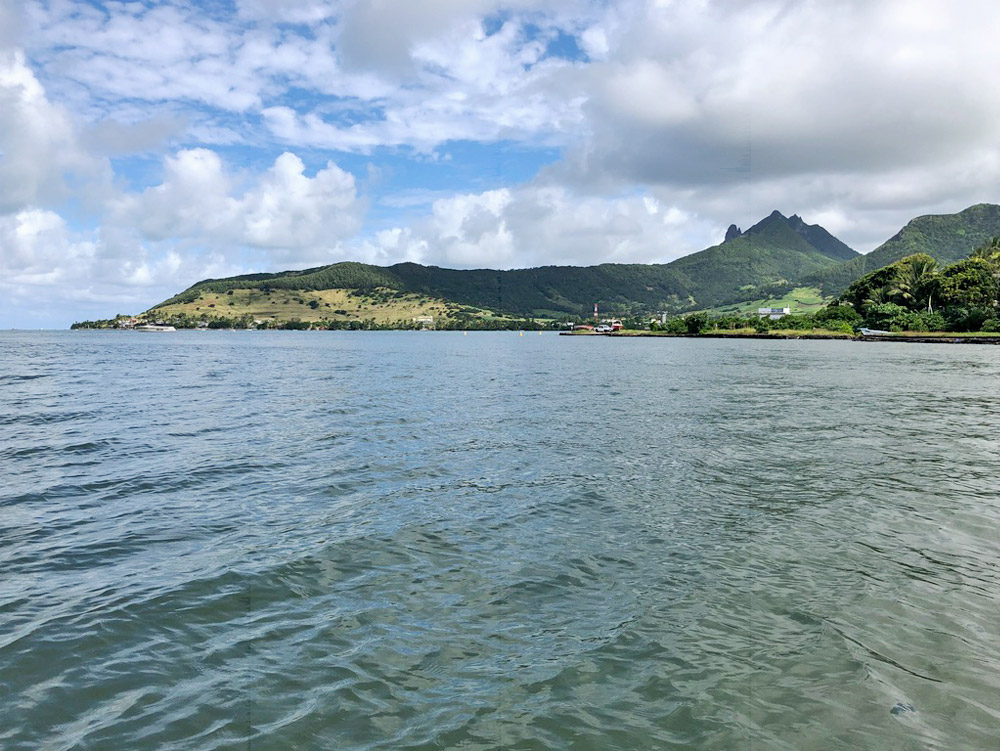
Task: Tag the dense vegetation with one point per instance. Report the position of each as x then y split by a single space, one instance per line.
947 238
835 319
915 294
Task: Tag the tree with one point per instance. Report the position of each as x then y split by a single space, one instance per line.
696 323
989 252
836 314
969 284
888 315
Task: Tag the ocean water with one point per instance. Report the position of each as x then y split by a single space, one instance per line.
333 540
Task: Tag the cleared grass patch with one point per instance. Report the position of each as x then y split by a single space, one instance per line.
800 300
383 306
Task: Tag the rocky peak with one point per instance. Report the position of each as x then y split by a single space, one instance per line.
733 232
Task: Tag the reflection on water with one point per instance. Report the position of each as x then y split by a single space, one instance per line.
414 541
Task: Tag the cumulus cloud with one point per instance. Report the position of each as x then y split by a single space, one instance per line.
39 150
282 209
36 247
49 272
535 225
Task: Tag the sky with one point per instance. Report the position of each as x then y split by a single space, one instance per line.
145 146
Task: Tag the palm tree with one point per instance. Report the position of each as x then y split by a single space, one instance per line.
989 251
912 285
876 296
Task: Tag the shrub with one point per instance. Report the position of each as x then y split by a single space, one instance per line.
929 322
696 323
887 315
837 313
674 326
965 319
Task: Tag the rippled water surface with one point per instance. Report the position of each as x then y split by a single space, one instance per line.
288 540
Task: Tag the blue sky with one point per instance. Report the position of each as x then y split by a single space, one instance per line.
145 146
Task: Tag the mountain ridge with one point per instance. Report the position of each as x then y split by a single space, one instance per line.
773 256
772 252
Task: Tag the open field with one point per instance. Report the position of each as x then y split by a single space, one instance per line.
800 300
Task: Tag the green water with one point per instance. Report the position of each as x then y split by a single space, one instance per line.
435 541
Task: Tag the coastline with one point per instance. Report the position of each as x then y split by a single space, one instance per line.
917 339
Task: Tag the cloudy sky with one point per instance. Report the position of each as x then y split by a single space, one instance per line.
147 145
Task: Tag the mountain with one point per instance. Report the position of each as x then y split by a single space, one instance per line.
746 265
770 254
945 237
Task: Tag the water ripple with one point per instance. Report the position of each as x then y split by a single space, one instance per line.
400 541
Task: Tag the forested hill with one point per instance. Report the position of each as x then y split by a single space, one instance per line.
746 265
753 264
947 238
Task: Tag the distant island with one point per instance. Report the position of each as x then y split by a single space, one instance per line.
938 273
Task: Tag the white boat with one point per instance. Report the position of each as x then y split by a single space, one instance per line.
874 332
155 327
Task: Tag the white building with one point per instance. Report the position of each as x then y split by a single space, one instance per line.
773 313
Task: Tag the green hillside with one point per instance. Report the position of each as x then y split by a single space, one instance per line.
945 237
759 263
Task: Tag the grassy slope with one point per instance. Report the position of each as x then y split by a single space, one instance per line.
800 300
333 304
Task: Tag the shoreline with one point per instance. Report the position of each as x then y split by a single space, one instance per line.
847 338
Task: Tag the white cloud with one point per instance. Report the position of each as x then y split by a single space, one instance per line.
281 209
46 269
38 144
147 53
289 11
802 88
534 226
36 248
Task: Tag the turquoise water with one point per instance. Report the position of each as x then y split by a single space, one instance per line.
271 540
